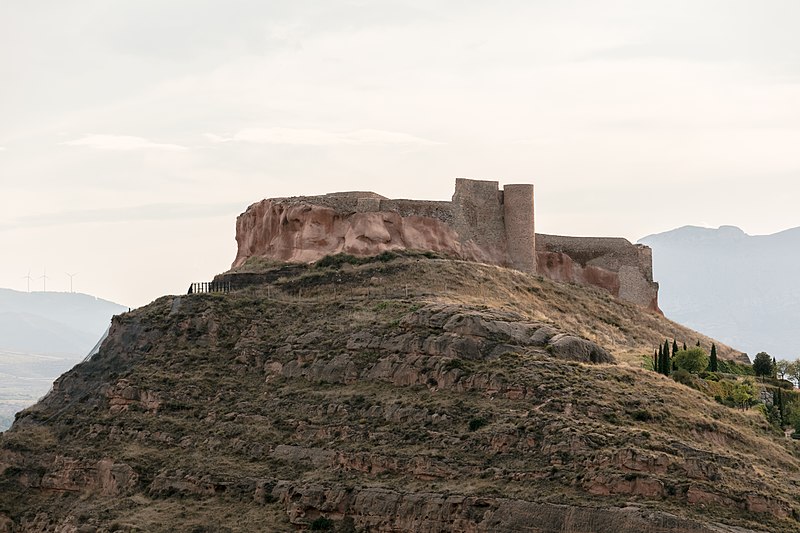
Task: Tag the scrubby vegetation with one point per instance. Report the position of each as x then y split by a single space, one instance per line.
257 409
761 386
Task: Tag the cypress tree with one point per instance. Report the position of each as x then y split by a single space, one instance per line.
674 347
660 364
712 362
684 346
660 367
665 360
698 344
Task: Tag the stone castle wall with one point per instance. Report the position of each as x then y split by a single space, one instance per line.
481 223
578 259
478 211
519 224
483 215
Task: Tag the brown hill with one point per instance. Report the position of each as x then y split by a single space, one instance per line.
399 394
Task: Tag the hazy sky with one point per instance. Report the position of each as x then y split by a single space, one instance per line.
133 132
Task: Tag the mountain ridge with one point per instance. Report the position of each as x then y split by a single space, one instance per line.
43 334
740 288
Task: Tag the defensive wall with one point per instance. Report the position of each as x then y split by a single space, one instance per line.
500 221
592 260
482 222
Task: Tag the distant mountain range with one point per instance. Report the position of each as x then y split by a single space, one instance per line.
42 335
741 289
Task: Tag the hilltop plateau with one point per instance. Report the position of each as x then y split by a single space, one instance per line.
394 393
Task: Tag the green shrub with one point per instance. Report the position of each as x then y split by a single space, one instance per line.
683 376
337 260
385 257
732 367
452 364
322 524
642 415
693 360
477 423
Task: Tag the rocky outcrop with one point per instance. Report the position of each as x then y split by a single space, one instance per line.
105 477
306 232
430 346
382 510
576 349
123 395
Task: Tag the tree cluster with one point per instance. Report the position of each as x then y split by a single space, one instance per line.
788 370
667 359
764 365
741 392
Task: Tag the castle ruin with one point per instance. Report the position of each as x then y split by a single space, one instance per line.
482 223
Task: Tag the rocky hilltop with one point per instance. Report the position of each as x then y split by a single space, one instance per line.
395 393
481 223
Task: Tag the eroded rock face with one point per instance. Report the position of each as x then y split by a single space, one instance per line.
306 232
66 474
454 331
123 395
383 510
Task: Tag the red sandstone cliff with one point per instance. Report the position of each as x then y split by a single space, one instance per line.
305 232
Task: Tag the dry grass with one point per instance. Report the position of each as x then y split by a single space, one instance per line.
224 411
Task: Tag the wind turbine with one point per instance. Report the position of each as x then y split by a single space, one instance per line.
44 277
29 278
70 279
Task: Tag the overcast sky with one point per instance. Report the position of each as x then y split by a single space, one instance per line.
133 132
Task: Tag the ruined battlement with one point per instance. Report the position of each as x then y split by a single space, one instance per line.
613 263
482 223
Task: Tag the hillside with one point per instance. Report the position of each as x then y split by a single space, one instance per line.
742 289
43 334
399 394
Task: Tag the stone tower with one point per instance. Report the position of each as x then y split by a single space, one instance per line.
518 216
